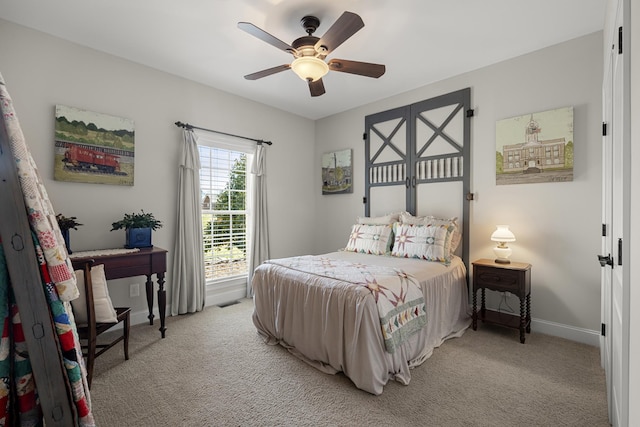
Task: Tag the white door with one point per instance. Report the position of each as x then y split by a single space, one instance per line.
615 313
607 179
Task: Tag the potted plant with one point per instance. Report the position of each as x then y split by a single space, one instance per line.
66 224
138 227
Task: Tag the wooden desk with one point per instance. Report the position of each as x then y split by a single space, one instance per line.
145 262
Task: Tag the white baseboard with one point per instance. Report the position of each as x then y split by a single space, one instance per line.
225 296
573 333
142 316
585 336
225 292
215 295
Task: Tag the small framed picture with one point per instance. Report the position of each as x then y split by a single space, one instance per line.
337 172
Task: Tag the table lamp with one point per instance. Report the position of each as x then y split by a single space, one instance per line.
502 235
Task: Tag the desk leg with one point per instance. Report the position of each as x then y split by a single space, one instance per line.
150 298
162 302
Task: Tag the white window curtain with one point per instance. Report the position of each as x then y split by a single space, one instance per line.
260 227
188 284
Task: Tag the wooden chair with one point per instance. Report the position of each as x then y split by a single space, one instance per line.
89 333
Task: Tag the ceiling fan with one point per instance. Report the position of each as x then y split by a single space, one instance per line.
310 51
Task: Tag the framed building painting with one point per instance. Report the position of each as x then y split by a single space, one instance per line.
535 147
93 147
337 172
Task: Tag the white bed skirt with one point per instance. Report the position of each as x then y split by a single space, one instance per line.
334 326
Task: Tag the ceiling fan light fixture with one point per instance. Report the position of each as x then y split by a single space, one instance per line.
309 68
309 52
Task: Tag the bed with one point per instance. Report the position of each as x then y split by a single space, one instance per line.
399 288
322 311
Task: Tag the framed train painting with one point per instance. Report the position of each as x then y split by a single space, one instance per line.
93 147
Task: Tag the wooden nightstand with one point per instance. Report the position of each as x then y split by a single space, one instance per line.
514 277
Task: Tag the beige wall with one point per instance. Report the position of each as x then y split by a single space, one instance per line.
557 225
41 71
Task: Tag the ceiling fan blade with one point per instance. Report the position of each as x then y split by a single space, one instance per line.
366 69
264 73
264 36
347 25
316 88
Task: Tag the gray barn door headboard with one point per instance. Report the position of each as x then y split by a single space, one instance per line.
409 148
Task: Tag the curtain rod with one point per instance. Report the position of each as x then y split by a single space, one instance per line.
188 126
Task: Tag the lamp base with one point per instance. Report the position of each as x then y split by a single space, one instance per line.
502 252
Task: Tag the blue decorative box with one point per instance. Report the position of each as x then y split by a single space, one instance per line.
138 238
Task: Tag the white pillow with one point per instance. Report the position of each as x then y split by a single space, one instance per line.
101 301
381 220
407 218
369 239
428 242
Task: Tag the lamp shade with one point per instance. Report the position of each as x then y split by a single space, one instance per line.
309 68
502 235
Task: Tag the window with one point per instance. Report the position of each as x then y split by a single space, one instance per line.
223 187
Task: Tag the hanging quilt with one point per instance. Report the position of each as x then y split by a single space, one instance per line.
19 404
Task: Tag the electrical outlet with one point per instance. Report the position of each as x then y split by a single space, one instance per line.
134 290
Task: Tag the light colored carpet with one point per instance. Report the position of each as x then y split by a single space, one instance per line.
213 369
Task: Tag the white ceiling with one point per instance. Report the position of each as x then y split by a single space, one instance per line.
419 41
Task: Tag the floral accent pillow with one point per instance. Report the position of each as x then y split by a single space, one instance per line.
428 242
369 239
